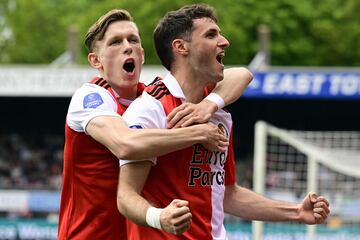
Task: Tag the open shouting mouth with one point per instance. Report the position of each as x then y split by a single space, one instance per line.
220 57
129 65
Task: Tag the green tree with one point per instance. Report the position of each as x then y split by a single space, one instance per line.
34 28
307 32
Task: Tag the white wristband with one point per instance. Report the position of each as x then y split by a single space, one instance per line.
153 217
215 98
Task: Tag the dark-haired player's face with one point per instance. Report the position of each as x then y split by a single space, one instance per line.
207 49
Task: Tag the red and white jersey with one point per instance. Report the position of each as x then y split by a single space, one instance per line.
193 174
88 207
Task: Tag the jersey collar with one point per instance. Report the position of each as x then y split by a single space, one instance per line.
173 85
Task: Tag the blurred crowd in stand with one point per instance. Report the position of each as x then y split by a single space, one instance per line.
35 162
31 161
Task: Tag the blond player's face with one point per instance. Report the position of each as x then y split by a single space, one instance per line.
121 56
207 49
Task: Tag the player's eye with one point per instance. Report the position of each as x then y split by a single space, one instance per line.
115 42
134 40
211 34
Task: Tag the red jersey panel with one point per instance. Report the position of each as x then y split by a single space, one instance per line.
193 174
88 199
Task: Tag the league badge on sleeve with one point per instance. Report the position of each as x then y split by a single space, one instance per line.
136 126
92 100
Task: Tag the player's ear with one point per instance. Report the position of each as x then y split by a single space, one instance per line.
180 46
94 61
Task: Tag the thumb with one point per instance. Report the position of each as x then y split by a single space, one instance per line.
313 197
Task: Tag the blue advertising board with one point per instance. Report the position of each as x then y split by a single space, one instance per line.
305 85
44 201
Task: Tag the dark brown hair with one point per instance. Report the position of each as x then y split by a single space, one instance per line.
178 24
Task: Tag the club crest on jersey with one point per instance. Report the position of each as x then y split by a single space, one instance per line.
92 100
223 129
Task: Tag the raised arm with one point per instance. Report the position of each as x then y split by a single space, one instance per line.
175 218
235 81
249 205
133 144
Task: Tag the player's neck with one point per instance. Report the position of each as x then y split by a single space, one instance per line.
191 85
127 93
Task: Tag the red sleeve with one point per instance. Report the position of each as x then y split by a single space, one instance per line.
230 173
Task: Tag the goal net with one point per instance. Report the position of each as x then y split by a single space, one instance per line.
288 164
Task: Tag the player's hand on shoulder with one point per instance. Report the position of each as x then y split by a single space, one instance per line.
189 113
176 217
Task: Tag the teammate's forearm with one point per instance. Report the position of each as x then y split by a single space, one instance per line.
146 143
235 81
249 205
137 144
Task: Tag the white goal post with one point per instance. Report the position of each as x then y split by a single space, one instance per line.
288 164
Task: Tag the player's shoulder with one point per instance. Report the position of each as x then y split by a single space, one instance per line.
90 95
148 102
157 89
89 88
223 112
222 115
99 81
